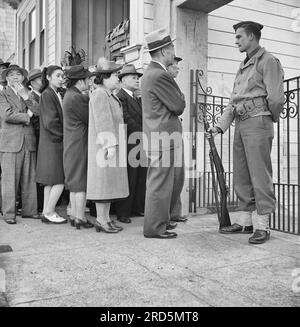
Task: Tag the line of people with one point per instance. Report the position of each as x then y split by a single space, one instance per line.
50 139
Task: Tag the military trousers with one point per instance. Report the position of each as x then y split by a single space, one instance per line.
165 180
18 169
252 164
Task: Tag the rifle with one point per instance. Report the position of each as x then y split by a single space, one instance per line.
216 164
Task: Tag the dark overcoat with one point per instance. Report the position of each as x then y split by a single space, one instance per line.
50 170
163 103
76 120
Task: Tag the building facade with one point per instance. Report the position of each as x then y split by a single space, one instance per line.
7 31
202 28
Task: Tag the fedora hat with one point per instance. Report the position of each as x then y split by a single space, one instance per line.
129 70
106 67
2 63
77 72
158 39
33 74
14 67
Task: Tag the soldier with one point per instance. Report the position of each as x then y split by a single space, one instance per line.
256 103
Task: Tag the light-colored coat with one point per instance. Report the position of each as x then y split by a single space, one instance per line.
110 181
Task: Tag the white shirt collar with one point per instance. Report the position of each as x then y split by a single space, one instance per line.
128 91
162 65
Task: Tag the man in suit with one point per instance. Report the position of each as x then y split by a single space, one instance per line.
132 112
34 83
3 66
176 214
17 146
256 103
163 103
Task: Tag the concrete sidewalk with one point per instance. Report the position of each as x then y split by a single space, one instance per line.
60 266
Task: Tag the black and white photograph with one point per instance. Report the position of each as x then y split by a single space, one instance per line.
149 157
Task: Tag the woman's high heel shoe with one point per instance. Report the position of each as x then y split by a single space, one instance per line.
72 221
104 228
113 225
78 223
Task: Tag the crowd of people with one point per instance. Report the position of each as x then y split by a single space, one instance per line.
51 140
75 129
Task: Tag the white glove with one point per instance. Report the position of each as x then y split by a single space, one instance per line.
110 153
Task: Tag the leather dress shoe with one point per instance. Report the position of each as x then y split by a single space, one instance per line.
11 221
165 235
171 225
55 219
37 216
124 220
181 219
236 229
259 237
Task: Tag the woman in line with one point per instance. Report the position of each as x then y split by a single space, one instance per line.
107 180
76 120
50 170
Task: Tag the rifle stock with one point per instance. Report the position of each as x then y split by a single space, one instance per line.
216 162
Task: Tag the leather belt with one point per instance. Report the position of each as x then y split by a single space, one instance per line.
249 108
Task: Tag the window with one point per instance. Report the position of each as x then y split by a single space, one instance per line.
32 38
42 30
23 24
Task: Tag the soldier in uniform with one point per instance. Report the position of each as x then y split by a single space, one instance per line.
255 105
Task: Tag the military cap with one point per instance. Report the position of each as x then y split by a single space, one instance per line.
252 25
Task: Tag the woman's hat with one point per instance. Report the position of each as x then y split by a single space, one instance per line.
77 72
106 67
2 63
158 39
33 74
14 67
129 70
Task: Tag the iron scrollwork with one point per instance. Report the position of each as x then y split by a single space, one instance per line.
291 108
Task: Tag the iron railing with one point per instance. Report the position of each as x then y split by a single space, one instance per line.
285 154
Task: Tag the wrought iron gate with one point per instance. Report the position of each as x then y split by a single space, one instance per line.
285 154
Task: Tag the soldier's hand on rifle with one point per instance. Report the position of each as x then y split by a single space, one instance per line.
212 132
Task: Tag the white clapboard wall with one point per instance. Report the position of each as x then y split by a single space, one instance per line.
278 37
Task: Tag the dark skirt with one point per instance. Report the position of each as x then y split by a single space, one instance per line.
49 170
